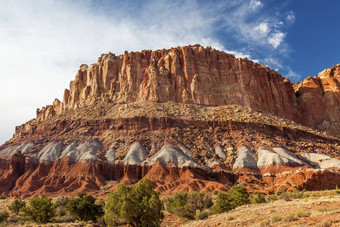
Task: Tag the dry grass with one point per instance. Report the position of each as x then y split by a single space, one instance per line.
318 211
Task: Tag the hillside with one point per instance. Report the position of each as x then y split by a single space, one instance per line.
187 118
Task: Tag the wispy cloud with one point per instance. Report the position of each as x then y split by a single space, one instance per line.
254 4
276 39
254 25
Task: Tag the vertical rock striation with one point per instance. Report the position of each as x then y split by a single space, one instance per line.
189 74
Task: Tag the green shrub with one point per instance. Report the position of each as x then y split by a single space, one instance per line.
3 216
289 217
138 206
178 205
258 198
222 204
60 204
264 223
2 197
84 208
230 218
185 205
282 194
199 201
16 206
201 215
297 194
271 198
238 196
40 209
275 218
301 214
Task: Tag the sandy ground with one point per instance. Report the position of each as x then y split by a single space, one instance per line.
323 211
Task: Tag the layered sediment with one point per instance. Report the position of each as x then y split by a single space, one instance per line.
187 118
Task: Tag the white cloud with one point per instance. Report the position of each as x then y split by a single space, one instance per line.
285 70
291 17
276 38
237 54
292 74
263 29
254 4
257 27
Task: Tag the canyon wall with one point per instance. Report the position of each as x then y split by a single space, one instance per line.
189 74
194 74
187 118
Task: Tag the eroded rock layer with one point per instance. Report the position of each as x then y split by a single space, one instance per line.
187 118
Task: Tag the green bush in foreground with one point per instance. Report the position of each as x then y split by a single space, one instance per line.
201 215
137 206
84 208
178 205
189 205
3 216
258 198
16 206
60 204
222 204
40 209
236 196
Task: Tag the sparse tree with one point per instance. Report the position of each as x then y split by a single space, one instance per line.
84 207
40 209
222 203
188 205
138 206
258 198
16 206
238 196
3 216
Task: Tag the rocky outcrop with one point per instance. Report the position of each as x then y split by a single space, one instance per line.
194 74
319 97
189 74
74 168
187 118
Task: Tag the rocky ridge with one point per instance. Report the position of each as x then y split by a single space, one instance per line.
187 118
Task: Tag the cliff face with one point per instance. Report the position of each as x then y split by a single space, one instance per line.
319 98
187 118
190 74
193 74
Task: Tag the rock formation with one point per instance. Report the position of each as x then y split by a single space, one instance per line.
187 118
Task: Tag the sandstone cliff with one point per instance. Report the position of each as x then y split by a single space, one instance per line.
319 99
189 74
194 74
187 118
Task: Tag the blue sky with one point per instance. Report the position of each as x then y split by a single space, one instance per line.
42 43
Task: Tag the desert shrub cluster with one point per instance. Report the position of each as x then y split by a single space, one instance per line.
137 206
189 206
141 205
236 196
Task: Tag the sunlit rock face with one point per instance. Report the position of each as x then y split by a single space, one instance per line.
189 74
187 118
